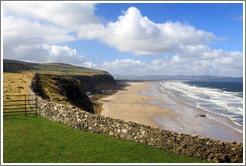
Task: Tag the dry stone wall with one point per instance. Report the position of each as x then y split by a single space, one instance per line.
183 144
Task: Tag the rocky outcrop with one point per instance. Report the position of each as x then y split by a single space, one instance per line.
37 88
68 87
74 91
183 144
96 83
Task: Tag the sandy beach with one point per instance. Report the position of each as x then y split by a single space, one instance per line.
138 103
130 105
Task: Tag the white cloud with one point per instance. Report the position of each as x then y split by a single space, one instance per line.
89 65
31 31
62 54
176 59
20 31
194 51
136 33
226 64
124 67
69 15
45 53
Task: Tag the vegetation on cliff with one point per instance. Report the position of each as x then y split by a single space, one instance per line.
63 90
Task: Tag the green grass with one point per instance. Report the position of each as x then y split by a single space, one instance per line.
66 69
34 139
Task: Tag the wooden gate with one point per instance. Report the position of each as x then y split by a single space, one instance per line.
19 105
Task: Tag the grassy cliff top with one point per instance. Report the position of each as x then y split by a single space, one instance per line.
48 68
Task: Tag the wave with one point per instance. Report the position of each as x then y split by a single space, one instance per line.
216 101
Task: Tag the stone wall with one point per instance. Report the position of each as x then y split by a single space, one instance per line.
183 144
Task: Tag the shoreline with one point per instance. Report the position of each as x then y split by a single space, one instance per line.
130 105
189 122
140 102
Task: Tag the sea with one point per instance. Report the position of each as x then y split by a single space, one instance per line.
221 100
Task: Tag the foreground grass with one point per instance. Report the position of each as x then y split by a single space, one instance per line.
34 139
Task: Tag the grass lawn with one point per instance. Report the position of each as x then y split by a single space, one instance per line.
34 139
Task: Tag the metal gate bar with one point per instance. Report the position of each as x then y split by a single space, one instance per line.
28 107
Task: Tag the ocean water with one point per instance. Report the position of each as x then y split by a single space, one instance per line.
221 100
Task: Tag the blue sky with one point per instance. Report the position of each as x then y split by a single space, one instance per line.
128 38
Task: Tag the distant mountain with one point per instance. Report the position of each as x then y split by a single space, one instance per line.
179 77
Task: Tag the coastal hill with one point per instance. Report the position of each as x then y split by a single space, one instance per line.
16 66
65 83
92 80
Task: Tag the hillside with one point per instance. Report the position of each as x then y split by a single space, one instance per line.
65 83
93 81
48 68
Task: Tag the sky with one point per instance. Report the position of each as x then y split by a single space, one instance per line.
128 38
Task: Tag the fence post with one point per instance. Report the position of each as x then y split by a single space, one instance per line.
25 105
36 102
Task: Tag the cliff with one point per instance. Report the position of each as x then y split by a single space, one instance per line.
64 90
96 83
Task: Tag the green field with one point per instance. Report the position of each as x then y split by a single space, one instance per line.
34 139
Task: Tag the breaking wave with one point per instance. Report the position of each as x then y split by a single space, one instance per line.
214 100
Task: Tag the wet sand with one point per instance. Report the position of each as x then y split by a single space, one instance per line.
141 102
